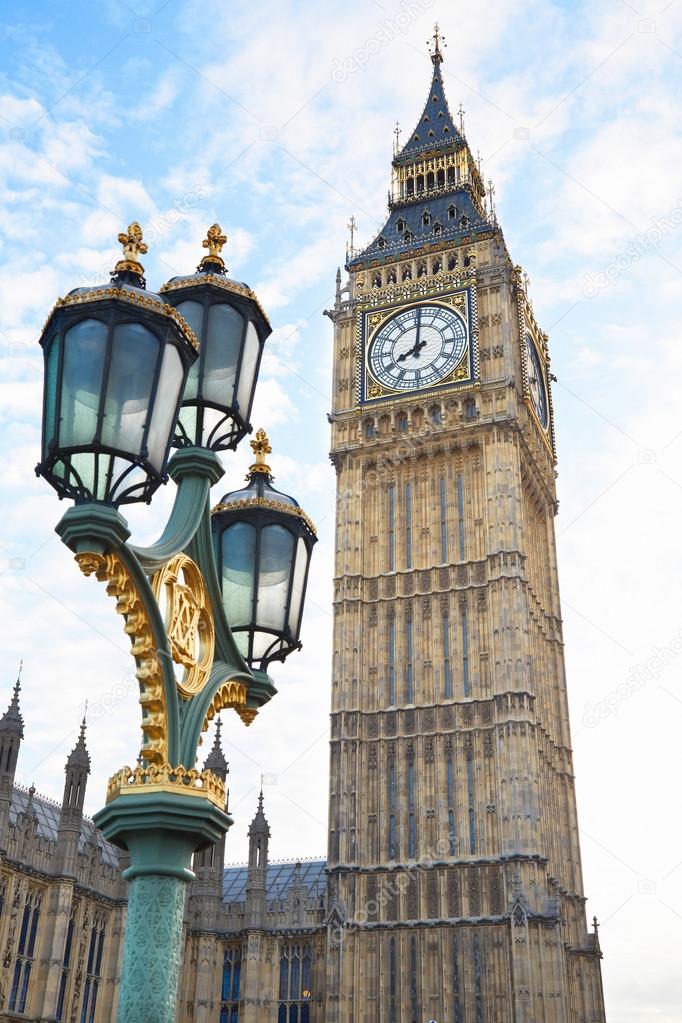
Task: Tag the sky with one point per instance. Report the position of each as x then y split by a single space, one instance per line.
276 120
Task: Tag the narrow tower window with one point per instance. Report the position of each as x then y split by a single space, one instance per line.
470 799
457 1015
392 973
447 670
478 986
391 662
391 528
408 526
452 840
414 1006
392 845
460 514
465 651
443 521
412 837
295 992
409 667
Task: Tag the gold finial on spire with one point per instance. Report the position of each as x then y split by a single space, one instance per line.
438 39
214 241
260 446
133 246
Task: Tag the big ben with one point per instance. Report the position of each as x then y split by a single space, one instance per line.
455 883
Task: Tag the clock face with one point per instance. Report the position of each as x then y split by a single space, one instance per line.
536 382
418 347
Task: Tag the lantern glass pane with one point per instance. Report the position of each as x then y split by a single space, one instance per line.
297 587
84 350
51 367
221 355
193 312
134 355
163 416
276 555
247 373
238 569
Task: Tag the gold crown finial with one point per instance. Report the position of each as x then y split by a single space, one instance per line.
133 246
260 446
214 241
438 39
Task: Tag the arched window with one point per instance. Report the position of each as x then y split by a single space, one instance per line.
430 181
295 984
400 226
402 422
420 182
407 273
426 218
451 175
452 211
376 281
25 952
410 186
441 178
229 991
370 429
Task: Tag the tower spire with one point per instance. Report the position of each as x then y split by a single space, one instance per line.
216 761
12 721
435 46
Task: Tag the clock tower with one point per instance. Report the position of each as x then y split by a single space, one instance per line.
455 885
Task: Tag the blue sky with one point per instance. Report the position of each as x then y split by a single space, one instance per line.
276 120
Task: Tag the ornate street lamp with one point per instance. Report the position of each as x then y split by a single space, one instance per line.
231 326
264 542
117 360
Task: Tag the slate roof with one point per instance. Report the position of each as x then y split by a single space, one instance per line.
436 127
437 207
279 878
47 815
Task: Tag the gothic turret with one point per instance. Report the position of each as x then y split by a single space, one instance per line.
77 770
209 862
256 885
11 734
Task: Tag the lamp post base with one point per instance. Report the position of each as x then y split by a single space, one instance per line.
161 830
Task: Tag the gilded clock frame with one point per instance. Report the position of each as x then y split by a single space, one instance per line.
461 301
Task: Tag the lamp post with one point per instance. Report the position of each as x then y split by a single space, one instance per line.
129 373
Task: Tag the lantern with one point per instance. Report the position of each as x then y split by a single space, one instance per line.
263 543
231 326
116 361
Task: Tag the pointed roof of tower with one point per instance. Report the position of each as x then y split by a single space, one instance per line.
79 756
436 127
259 822
215 761
12 721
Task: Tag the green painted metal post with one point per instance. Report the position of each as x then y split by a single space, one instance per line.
152 950
161 831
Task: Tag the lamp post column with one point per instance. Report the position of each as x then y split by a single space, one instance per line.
161 830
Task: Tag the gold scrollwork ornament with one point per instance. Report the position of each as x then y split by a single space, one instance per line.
180 589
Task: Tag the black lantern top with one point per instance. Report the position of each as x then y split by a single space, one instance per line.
116 361
232 327
264 541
